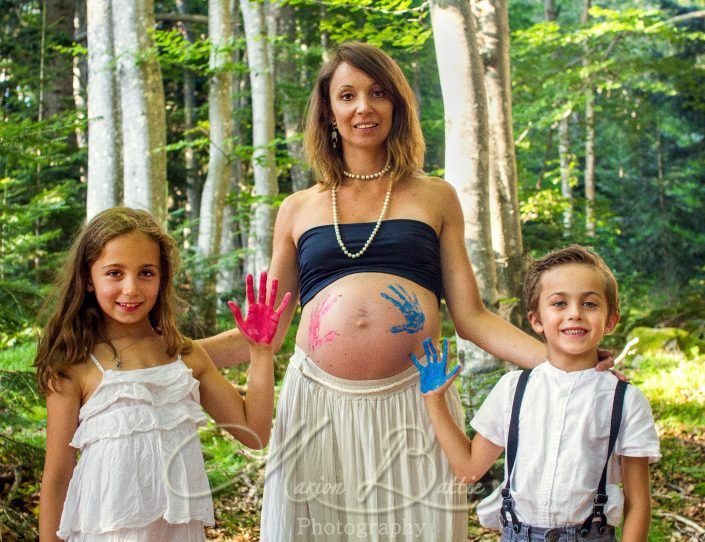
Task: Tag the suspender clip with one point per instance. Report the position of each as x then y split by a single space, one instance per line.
600 500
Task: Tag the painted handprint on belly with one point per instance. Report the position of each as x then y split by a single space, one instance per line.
409 306
314 327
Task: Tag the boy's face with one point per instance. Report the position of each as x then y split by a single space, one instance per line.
572 312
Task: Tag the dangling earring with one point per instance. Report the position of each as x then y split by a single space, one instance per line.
334 134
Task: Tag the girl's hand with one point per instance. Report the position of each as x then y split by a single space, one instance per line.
262 320
433 375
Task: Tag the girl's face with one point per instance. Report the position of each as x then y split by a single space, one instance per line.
360 107
125 281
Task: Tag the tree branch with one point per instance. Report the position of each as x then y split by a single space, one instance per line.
687 16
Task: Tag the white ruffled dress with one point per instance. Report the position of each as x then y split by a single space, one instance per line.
140 476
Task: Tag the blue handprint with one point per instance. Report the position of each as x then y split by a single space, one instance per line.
433 374
408 304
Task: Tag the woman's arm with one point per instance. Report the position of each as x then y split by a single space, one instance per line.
231 347
472 320
637 498
63 406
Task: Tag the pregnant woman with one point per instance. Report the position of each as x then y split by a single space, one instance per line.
370 250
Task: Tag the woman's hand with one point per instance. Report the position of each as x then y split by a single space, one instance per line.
434 378
262 320
605 362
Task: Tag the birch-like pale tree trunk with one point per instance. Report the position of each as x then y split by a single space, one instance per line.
230 273
291 107
265 190
104 188
80 77
589 175
565 168
493 38
220 32
467 152
194 185
563 147
142 107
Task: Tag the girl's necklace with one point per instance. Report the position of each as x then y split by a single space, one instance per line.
118 359
336 226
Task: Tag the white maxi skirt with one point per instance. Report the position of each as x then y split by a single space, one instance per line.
358 460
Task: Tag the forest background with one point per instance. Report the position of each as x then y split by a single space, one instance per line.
193 110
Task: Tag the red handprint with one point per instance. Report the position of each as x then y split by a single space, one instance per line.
262 320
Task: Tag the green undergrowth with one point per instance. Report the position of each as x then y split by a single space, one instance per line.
669 372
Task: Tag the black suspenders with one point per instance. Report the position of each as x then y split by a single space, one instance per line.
600 500
513 443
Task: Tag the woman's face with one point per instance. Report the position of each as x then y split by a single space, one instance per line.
361 108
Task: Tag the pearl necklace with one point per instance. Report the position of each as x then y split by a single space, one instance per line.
377 175
336 226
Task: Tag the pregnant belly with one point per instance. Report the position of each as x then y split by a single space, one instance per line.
364 326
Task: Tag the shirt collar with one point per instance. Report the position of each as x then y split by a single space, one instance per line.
559 375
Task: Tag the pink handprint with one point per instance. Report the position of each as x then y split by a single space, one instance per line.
262 320
314 328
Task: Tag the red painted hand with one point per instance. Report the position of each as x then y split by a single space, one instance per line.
262 320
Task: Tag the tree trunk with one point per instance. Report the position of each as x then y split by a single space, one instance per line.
104 134
58 90
230 272
504 199
466 158
263 163
194 186
291 104
563 148
566 186
80 76
589 140
142 107
220 32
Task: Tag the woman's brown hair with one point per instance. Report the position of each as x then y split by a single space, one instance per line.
405 142
75 323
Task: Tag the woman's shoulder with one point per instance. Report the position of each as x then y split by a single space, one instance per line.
432 189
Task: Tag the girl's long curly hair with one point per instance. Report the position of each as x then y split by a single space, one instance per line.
75 322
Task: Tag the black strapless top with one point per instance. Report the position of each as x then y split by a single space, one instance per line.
403 247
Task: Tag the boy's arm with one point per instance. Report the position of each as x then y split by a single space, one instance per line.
63 406
468 460
637 498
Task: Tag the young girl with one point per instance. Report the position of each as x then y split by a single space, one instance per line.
123 387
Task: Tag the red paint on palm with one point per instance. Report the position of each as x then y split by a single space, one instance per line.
262 319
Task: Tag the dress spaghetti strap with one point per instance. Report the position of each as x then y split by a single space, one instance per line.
97 363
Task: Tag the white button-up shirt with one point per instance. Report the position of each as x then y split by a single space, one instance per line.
564 430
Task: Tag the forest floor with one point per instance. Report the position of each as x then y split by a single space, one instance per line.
674 384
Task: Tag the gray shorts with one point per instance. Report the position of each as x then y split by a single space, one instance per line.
559 534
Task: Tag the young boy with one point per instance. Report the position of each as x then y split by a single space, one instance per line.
561 431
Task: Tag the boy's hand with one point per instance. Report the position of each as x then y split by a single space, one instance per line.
433 374
262 320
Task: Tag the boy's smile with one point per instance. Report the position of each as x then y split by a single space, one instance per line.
573 315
